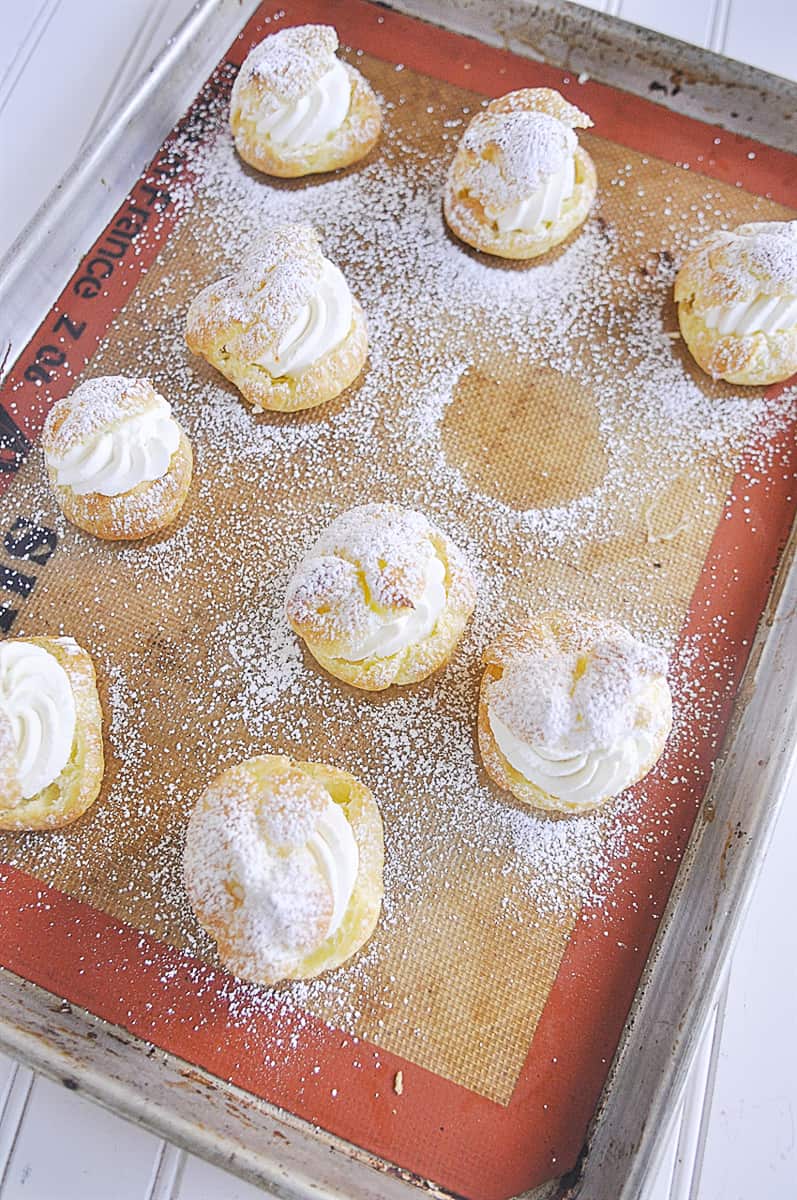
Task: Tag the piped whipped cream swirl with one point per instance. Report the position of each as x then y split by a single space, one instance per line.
36 696
135 449
524 170
583 777
764 314
388 635
310 118
334 849
581 725
541 208
319 326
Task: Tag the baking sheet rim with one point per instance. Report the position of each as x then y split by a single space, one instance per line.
765 731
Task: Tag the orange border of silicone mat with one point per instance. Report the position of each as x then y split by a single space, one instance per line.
437 1129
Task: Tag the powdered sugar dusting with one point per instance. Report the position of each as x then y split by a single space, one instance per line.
198 669
253 307
290 61
574 692
757 258
96 405
516 152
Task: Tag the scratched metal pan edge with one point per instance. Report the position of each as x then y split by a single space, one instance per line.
223 1123
44 254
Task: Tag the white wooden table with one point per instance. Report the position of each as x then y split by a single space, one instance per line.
735 1134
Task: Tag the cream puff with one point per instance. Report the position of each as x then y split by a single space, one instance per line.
118 462
519 182
571 712
297 109
737 302
51 755
284 328
382 597
283 867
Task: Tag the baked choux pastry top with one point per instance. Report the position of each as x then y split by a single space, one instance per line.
737 302
297 109
284 327
519 182
117 459
382 597
572 711
51 756
283 867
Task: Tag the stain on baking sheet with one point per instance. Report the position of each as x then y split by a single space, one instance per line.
508 430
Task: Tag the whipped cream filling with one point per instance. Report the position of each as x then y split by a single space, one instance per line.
764 314
389 635
542 208
319 327
583 777
135 450
36 696
310 119
334 848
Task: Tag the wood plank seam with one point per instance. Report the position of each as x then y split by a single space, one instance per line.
166 1173
711 1076
717 31
12 1114
136 60
27 49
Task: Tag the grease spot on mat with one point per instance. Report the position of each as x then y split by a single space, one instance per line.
526 435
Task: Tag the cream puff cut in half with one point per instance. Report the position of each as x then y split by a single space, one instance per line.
118 462
298 109
283 867
737 302
382 597
572 711
520 183
284 328
51 756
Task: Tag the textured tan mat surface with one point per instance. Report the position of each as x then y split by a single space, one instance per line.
529 427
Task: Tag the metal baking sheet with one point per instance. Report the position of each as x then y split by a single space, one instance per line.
733 853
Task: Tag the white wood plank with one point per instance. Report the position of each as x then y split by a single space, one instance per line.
14 1097
696 1106
166 1174
688 20
764 33
750 1147
718 25
67 1147
23 27
158 19
43 125
7 1068
600 5
201 1181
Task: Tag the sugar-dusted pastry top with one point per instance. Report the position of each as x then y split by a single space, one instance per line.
517 157
271 862
110 435
37 717
283 309
577 706
375 582
293 88
743 281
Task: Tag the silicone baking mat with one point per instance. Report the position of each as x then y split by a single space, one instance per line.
548 417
